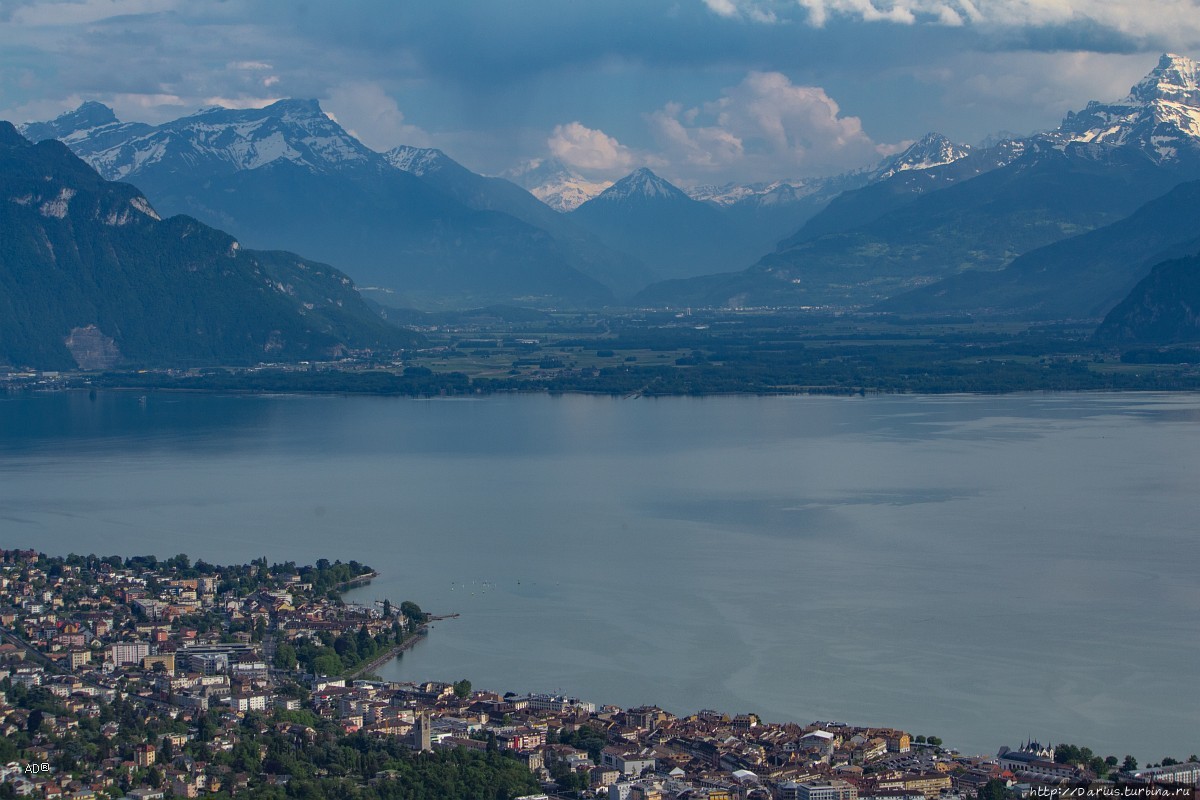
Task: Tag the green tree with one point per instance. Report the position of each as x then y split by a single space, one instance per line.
328 664
995 789
285 656
462 689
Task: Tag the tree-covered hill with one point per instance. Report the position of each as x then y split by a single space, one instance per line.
91 277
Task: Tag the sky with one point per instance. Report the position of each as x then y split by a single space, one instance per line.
701 91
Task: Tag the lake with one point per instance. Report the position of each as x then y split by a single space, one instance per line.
984 569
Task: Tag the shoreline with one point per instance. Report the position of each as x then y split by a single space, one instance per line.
393 652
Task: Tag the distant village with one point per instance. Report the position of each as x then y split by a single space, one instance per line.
144 679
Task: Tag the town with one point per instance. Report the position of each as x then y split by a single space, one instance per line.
143 679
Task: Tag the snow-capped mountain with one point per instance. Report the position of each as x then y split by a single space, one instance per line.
932 150
212 139
728 194
91 121
584 251
676 236
939 209
552 182
289 177
417 160
1160 115
641 184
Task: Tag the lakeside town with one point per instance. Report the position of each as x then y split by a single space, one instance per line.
143 678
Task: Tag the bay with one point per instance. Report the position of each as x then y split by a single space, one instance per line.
984 569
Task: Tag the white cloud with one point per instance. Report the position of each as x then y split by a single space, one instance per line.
765 127
1174 22
588 149
372 115
755 10
241 101
724 8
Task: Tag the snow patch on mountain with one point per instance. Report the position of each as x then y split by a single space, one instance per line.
729 194
932 150
554 184
232 139
417 160
1160 115
641 184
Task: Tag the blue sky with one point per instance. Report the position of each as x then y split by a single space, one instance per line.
700 90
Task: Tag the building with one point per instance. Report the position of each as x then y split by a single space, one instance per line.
421 737
818 790
128 653
1188 774
144 755
629 764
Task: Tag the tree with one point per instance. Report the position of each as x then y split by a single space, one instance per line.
285 656
995 789
462 689
1129 764
328 664
387 608
934 740
413 611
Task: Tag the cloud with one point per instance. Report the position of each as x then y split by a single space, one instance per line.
241 101
373 116
1026 91
765 127
588 149
61 13
753 10
1147 21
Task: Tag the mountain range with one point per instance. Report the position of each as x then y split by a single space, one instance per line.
91 276
289 176
1060 223
431 232
967 222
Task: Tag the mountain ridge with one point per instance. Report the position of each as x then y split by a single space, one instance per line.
287 176
92 276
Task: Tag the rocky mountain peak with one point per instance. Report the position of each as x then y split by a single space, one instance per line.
642 183
1160 115
931 150
417 160
90 116
1176 79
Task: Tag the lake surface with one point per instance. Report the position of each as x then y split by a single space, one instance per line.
984 569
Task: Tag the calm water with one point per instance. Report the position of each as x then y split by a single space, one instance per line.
983 569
